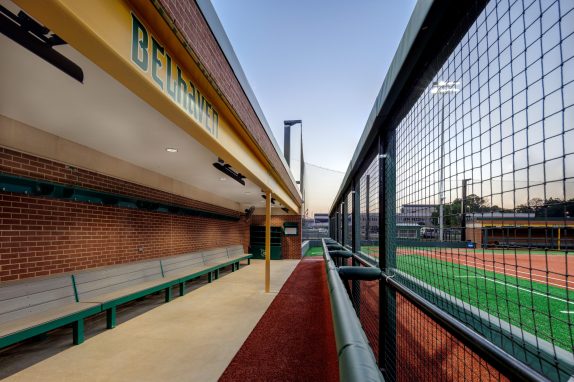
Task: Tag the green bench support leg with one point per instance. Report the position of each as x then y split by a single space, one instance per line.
248 261
111 317
233 267
168 294
78 330
217 273
181 289
209 277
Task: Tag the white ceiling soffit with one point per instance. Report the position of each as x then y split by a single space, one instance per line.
105 116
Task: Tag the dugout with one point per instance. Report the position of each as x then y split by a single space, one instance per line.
128 132
536 233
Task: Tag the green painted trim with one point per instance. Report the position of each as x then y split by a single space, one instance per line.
168 294
22 335
78 331
111 317
42 188
136 295
75 288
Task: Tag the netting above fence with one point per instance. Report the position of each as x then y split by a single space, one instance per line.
486 155
478 188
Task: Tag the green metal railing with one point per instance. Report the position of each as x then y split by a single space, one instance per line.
356 359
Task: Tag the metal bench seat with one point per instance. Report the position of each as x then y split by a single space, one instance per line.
235 252
29 308
41 322
215 256
32 307
115 285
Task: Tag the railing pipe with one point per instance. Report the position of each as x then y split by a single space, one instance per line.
356 359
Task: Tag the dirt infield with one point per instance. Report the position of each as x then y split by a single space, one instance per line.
551 269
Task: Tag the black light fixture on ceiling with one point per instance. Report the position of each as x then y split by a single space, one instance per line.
285 209
227 170
38 39
272 199
249 211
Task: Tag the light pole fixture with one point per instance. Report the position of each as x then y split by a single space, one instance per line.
287 138
463 210
287 148
443 87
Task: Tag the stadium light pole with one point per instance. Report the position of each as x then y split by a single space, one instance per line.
442 87
287 147
463 211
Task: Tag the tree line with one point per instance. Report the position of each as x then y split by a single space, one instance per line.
541 208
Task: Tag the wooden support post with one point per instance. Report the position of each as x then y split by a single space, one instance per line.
78 331
111 317
267 241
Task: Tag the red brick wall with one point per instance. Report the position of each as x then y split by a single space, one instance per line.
189 20
41 236
291 245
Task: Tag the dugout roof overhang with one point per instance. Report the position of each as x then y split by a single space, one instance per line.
121 112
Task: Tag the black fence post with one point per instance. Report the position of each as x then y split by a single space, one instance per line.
387 261
356 235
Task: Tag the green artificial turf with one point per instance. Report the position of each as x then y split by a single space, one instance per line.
314 251
535 307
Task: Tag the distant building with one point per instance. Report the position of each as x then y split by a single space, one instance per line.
370 228
519 230
321 219
420 214
410 215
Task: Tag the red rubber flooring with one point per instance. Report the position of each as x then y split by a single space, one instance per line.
294 340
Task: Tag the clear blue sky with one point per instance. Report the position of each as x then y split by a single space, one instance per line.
316 60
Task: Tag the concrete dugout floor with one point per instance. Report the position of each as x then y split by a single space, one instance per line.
191 338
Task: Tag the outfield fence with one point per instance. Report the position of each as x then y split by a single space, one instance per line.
461 191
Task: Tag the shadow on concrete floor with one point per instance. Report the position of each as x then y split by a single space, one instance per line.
34 350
